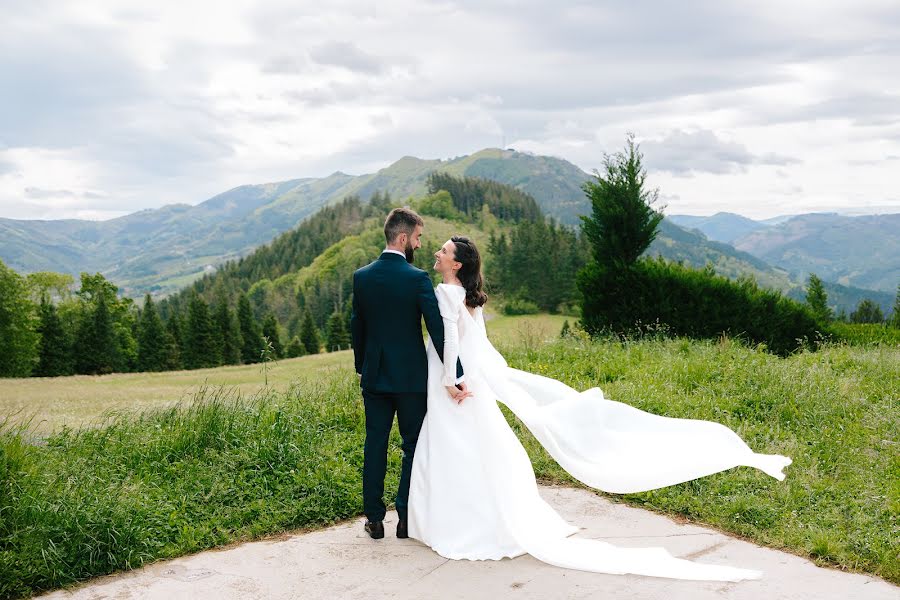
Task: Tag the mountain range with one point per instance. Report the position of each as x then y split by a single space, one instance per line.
162 250
859 251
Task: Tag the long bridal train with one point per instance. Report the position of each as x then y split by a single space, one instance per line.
473 492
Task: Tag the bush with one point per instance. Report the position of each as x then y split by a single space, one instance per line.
693 303
520 306
863 334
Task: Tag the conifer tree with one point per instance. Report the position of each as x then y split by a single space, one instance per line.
152 341
174 337
337 336
97 347
251 338
623 222
228 332
270 331
200 350
295 348
309 335
817 299
867 311
895 315
54 349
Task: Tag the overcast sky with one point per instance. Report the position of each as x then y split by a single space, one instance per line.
760 108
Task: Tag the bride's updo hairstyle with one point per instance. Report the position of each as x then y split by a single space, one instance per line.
470 272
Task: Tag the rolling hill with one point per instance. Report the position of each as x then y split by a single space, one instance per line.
162 250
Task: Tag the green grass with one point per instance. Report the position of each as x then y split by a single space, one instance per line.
51 402
834 412
863 334
222 467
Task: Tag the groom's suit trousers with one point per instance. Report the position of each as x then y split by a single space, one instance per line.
410 408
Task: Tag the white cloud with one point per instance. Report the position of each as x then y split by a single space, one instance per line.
117 108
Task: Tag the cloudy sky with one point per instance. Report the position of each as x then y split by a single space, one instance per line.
761 108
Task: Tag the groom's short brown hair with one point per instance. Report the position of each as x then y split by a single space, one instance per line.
401 220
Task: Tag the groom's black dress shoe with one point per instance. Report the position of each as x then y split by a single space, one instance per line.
375 529
402 531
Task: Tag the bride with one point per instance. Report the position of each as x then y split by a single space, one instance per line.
473 493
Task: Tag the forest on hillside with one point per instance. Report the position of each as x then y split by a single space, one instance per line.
292 297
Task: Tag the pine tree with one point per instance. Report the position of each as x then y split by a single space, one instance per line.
98 348
623 223
228 332
251 338
895 315
270 331
200 350
817 299
174 337
152 341
337 336
295 348
309 335
54 349
867 312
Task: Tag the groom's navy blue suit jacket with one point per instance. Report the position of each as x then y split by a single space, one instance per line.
390 297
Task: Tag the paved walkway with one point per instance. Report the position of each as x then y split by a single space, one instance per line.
342 562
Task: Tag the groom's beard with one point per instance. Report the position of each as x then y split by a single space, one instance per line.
409 253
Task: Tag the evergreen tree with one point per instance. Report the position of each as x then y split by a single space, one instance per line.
152 342
309 335
54 349
200 350
251 338
228 333
895 315
174 337
867 312
18 326
97 346
817 299
337 336
270 331
623 223
295 348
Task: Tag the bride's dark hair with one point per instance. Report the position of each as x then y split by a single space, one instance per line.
470 272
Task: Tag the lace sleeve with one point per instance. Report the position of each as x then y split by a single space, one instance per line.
450 314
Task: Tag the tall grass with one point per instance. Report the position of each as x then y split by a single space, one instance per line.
836 412
222 467
214 470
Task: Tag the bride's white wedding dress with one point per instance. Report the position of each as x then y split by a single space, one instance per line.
473 493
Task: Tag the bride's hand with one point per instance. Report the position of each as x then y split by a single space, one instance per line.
458 392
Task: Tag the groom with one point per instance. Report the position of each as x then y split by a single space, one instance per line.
390 297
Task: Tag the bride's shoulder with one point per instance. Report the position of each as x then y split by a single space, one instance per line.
452 294
451 290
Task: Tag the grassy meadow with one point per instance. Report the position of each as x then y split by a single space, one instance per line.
234 463
88 400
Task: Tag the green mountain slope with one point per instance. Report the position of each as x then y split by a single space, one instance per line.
721 227
693 248
161 250
859 251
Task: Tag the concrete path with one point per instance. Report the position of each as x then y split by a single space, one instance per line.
342 562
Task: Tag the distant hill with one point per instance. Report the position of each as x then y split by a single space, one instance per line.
721 227
162 250
861 251
693 248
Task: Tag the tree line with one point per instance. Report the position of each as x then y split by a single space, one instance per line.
47 330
